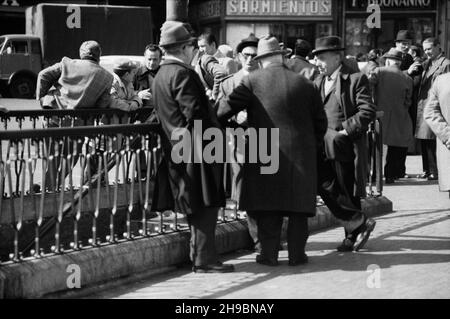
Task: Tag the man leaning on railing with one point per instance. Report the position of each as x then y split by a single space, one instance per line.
73 84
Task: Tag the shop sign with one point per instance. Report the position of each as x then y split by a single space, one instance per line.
392 5
279 8
208 9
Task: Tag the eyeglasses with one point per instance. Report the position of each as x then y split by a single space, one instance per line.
249 55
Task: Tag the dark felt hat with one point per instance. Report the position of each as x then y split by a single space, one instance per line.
269 46
173 33
394 54
329 43
403 35
251 41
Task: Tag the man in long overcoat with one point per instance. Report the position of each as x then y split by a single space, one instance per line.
435 65
393 94
437 115
195 187
278 98
343 164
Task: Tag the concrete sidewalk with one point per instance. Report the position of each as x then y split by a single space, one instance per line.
408 256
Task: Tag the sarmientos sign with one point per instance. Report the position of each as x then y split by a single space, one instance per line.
279 8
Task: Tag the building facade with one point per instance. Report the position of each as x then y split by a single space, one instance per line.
232 20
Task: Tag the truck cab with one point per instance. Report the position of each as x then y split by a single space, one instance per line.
20 63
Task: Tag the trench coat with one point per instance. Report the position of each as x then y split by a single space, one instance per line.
430 73
437 116
393 94
278 98
353 93
180 100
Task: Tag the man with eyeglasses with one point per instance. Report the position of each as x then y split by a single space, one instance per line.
246 51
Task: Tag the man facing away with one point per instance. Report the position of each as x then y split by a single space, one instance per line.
194 189
343 164
279 100
77 84
393 93
435 65
298 62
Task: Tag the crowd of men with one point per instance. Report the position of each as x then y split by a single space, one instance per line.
322 108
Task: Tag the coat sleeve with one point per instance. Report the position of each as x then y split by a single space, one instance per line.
433 115
409 93
236 102
189 95
218 72
319 116
47 78
358 124
118 101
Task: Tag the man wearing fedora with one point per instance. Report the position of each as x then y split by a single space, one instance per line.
393 95
298 62
246 53
278 98
425 74
343 163
402 43
192 188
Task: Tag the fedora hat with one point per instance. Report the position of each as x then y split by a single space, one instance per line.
403 35
269 46
394 54
173 33
251 41
124 65
329 43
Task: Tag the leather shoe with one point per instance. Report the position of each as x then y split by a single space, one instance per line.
423 176
213 268
297 262
432 177
347 245
266 262
364 234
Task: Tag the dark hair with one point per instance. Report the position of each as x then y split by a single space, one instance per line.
302 48
153 48
374 54
208 37
435 41
417 50
121 73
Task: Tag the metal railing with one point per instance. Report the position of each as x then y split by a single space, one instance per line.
100 189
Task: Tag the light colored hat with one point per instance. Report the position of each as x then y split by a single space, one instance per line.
173 33
269 46
124 65
90 49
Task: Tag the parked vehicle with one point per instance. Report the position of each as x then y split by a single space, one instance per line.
57 30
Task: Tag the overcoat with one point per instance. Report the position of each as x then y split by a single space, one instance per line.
353 95
180 100
393 93
437 115
430 73
278 98
301 66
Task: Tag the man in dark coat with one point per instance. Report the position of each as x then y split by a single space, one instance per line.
343 164
298 62
402 43
196 187
279 100
426 73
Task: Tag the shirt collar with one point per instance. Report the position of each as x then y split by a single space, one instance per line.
335 74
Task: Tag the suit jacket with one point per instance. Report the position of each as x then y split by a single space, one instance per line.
180 100
430 73
353 95
144 81
299 65
277 98
437 116
393 93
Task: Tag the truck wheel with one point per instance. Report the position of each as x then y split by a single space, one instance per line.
22 87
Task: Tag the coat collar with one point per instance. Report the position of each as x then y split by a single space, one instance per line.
176 62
